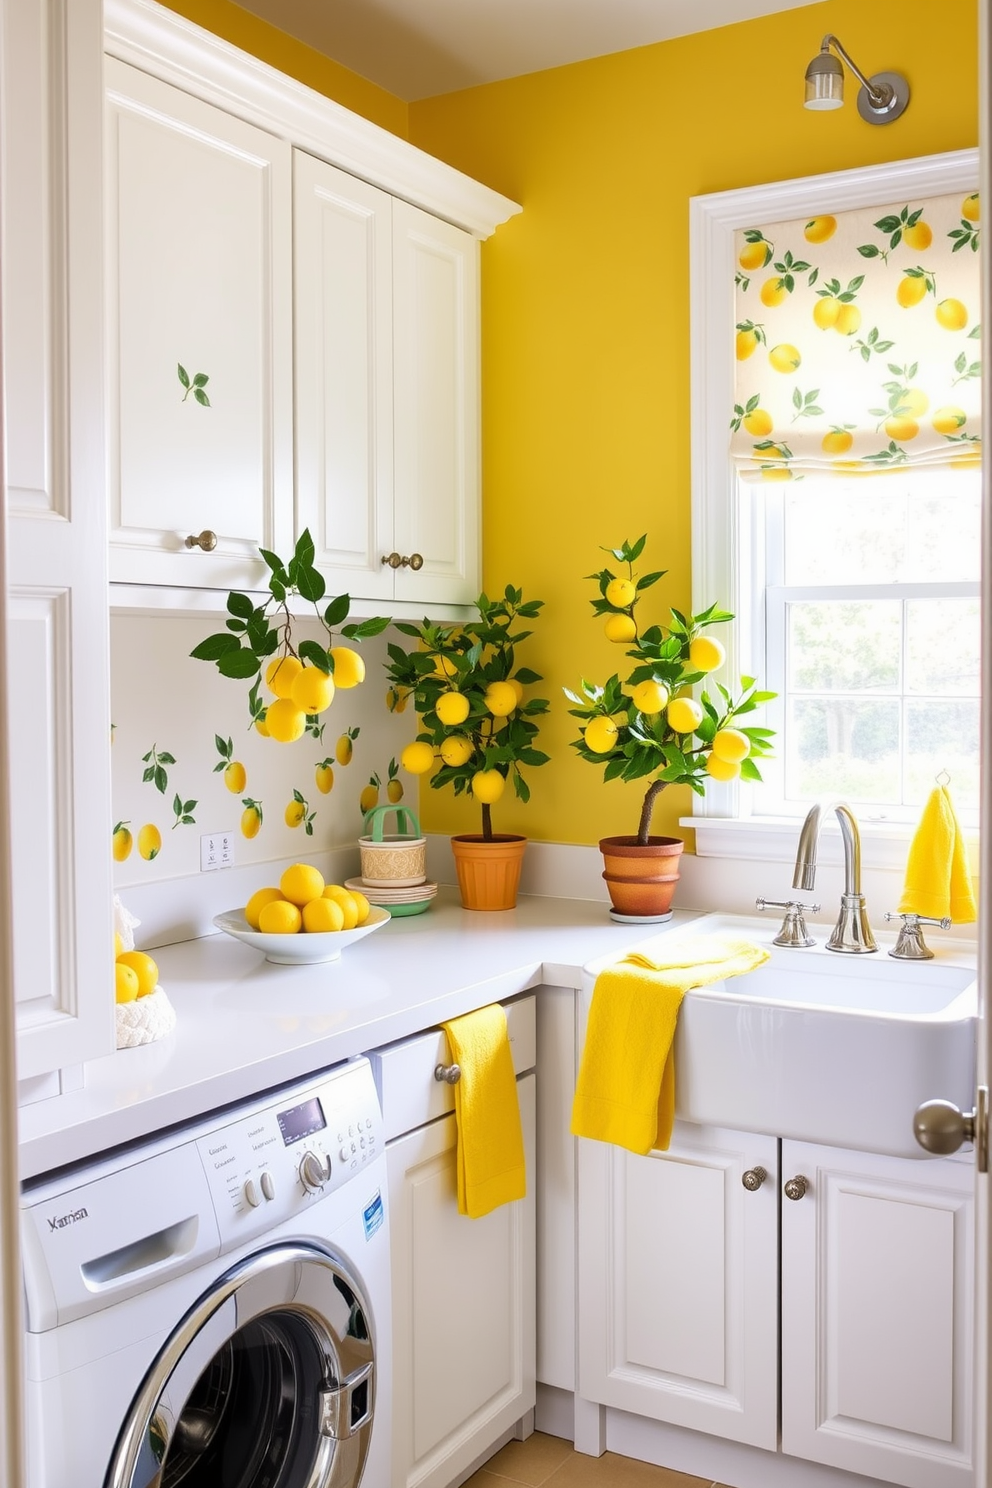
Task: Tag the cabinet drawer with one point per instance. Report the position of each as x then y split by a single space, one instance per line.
404 1072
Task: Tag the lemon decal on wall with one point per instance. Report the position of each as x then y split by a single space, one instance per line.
757 251
785 358
324 777
343 749
121 842
749 337
251 817
155 762
298 813
195 385
396 699
820 229
183 812
369 797
149 841
394 786
952 315
235 774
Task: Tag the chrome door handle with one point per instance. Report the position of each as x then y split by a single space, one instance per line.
449 1074
941 1128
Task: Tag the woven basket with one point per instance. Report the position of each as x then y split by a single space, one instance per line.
393 860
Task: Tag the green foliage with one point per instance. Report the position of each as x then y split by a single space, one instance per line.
195 385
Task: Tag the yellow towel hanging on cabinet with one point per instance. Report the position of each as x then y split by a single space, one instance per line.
490 1161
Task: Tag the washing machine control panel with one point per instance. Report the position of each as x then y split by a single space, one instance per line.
285 1156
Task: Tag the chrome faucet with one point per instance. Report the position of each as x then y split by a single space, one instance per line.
852 931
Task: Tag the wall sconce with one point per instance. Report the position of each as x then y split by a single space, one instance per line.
882 98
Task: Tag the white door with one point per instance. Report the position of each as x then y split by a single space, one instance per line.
344 375
463 1308
436 404
678 1275
199 271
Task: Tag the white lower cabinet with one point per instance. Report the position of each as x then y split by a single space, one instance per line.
463 1289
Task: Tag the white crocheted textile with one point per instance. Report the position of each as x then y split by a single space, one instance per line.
144 1020
124 923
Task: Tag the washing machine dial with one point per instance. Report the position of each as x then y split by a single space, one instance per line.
314 1171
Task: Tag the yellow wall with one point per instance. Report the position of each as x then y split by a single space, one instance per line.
586 324
269 44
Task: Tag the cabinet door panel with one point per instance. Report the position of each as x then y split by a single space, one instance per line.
199 241
463 1308
678 1278
876 1321
344 391
435 308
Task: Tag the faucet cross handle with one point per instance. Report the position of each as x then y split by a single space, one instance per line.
910 945
793 931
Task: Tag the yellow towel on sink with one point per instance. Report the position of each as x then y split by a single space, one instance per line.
490 1159
625 1092
938 882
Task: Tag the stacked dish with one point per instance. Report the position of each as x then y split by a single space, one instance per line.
410 900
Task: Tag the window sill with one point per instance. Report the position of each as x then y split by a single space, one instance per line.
770 839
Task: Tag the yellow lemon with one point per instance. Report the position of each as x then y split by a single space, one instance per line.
452 708
394 791
418 757
901 429
911 289
650 697
323 916
457 750
312 690
349 667
706 654
149 841
620 629
731 745
825 312
684 714
721 769
754 255
773 292
745 344
324 776
600 734
294 813
235 777
913 403
125 983
487 786
301 883
952 315
970 207
257 903
251 820
518 688
343 750
620 592
848 320
342 897
118 944
949 420
819 229
121 842
500 699
261 726
919 236
369 798
785 358
837 442
776 473
395 700
280 917
144 969
285 721
758 423
281 673
362 905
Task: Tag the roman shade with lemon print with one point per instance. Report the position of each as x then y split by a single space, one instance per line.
857 341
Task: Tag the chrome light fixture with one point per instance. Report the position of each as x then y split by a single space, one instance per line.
882 98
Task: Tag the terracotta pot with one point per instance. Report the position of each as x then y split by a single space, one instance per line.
488 872
640 878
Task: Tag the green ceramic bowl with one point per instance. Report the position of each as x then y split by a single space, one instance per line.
396 910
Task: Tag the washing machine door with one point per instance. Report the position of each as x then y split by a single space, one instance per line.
268 1382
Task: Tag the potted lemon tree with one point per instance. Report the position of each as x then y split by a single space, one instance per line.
648 726
477 729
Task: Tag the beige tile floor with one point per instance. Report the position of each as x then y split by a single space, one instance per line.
548 1462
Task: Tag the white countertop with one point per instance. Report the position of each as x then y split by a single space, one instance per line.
246 1025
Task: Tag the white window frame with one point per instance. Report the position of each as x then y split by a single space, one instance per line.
724 819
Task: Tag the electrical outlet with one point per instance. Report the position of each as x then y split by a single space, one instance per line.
216 851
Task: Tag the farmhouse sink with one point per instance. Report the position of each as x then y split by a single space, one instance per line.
820 1046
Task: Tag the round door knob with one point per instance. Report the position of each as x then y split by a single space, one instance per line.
314 1171
449 1073
205 540
940 1127
753 1179
415 561
399 560
796 1187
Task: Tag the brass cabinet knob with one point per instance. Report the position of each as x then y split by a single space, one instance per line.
941 1128
399 560
415 561
450 1074
753 1179
796 1187
205 540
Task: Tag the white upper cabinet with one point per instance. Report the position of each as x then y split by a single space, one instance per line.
199 252
57 662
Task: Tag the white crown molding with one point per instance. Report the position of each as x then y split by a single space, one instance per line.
173 49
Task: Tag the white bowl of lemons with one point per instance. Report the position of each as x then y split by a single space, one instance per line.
304 921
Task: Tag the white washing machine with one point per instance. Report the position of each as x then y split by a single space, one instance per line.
211 1309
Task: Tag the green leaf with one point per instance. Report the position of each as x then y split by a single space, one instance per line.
272 559
337 611
310 583
304 550
183 375
161 780
200 380
241 663
316 655
240 605
365 629
521 787
201 397
215 646
166 759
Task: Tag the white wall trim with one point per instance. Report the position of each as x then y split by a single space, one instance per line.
164 44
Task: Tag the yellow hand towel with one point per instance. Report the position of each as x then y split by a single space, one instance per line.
490 1138
625 1092
938 882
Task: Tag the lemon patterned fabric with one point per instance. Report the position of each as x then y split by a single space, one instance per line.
858 341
